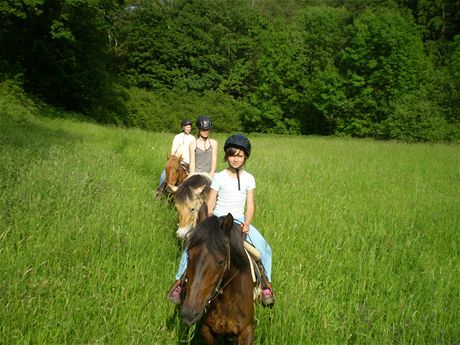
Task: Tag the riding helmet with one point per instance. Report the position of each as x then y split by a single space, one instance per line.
204 122
239 141
185 122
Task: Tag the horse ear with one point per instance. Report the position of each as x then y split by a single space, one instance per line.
227 224
199 190
203 212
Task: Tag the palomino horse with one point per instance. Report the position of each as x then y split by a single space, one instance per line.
175 173
218 282
189 197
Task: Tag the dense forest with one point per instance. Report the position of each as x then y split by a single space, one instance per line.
387 69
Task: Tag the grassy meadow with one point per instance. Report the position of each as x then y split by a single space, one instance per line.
365 236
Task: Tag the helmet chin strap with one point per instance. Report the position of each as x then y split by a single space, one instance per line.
238 177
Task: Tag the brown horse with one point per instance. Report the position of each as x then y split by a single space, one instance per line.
189 197
218 282
176 173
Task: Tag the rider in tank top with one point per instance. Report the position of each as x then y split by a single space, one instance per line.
203 152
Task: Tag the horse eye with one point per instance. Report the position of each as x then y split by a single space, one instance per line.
220 263
192 209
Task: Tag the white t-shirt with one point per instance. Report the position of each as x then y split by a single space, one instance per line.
229 198
180 146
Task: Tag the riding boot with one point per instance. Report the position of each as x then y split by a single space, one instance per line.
268 298
175 292
160 190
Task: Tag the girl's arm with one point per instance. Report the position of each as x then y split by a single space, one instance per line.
250 209
214 157
212 197
192 147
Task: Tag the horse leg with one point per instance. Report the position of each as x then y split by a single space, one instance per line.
207 335
246 335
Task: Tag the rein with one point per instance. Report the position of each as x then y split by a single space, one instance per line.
219 289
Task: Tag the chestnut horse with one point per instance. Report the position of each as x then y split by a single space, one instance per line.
218 282
175 174
189 197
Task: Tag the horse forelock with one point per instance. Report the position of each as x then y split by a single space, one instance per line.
210 233
185 192
173 160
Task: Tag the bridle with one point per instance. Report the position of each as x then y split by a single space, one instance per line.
221 285
178 170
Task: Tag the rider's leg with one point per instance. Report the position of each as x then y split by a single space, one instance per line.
257 240
175 292
162 178
162 184
182 265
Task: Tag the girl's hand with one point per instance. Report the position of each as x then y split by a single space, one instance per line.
245 228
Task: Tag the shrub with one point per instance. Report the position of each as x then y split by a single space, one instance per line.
415 118
163 112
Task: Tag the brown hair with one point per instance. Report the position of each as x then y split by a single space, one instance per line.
231 151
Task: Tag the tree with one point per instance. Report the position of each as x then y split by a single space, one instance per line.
298 83
60 47
194 45
383 60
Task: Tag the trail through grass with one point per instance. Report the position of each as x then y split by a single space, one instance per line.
364 235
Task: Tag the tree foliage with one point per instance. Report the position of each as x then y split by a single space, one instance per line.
61 48
386 69
383 61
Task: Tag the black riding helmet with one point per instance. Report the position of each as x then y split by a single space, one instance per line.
239 141
185 122
204 122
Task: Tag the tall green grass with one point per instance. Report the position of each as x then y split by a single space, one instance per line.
365 238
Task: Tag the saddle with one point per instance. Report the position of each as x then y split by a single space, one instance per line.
257 271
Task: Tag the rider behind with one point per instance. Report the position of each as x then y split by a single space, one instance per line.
180 147
203 152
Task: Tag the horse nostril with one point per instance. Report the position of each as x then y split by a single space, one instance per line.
189 316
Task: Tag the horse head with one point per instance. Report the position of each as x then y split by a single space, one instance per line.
189 198
175 172
209 260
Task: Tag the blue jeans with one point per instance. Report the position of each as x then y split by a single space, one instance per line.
255 238
162 177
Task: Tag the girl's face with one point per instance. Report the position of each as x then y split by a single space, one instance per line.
204 133
187 129
237 160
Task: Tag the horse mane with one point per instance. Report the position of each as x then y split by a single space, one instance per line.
185 190
210 233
